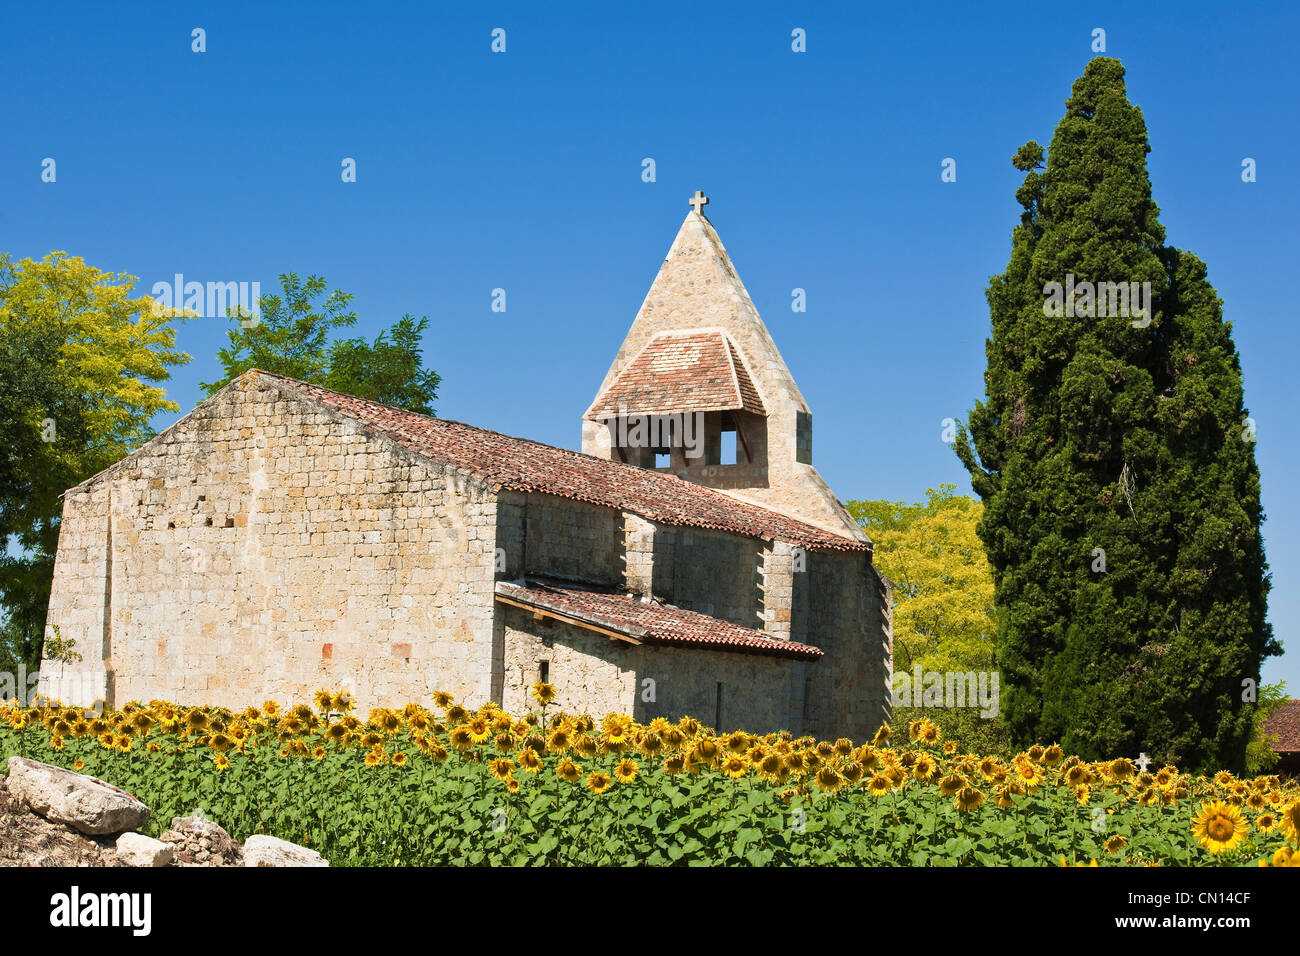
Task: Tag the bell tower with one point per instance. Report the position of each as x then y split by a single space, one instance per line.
698 389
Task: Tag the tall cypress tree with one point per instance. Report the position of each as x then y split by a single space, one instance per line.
1122 508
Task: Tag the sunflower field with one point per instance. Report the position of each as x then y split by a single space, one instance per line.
451 785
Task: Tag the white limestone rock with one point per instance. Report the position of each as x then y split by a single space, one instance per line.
136 849
84 803
263 850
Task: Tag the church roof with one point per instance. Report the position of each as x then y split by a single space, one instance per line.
646 622
518 464
678 372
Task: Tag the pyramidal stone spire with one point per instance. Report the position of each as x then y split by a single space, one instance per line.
697 334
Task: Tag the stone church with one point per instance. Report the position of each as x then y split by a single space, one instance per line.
283 537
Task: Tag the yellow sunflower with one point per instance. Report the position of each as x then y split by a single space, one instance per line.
1121 768
568 771
1290 819
706 750
925 768
626 770
1078 775
530 760
950 784
598 782
828 779
879 785
1219 826
968 799
543 693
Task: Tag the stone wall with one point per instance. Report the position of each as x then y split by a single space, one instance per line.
847 617
80 597
572 539
264 547
596 674
711 572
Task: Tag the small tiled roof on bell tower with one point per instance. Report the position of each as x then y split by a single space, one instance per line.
681 372
698 345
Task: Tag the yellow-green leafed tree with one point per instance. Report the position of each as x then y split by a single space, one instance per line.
81 367
943 586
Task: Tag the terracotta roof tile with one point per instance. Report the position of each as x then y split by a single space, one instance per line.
651 623
1285 723
521 465
680 372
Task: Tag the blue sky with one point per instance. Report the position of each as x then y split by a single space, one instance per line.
522 170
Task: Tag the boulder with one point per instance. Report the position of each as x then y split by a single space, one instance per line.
136 849
262 850
84 803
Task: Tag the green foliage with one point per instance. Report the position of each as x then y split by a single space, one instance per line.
77 354
1106 433
964 726
943 586
291 338
1260 755
455 813
389 371
60 648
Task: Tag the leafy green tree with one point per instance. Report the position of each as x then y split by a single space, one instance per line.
291 337
943 585
77 356
1116 464
388 371
1260 755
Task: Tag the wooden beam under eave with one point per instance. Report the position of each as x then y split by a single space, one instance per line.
541 612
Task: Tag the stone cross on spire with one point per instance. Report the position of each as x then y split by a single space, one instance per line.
699 201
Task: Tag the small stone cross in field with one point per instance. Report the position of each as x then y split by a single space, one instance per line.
1142 762
699 201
